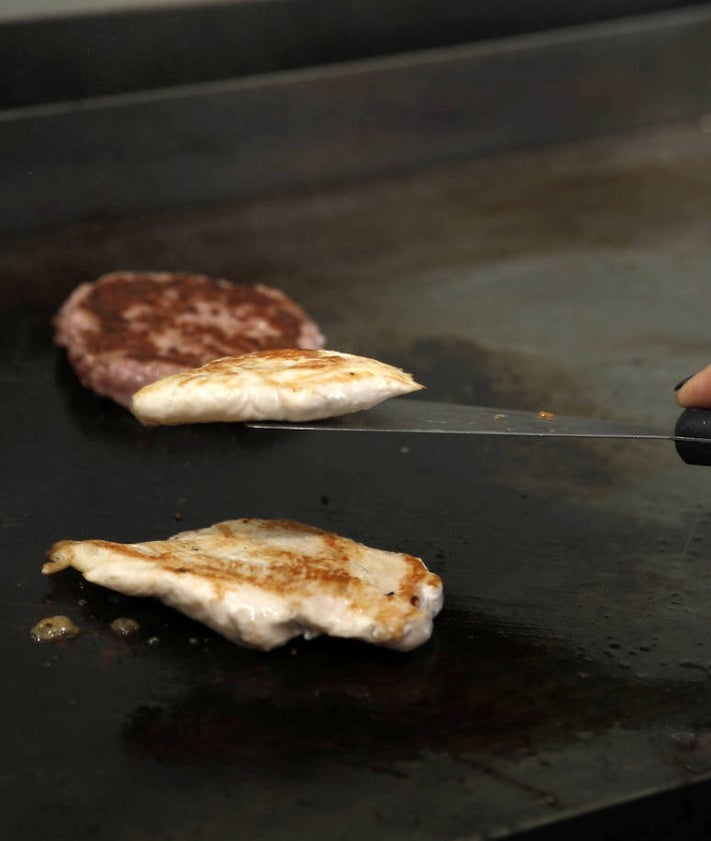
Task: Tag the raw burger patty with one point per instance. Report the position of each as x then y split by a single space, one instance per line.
128 329
290 385
262 582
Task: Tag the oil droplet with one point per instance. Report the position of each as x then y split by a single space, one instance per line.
124 626
54 629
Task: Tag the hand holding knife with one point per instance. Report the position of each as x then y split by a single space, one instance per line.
693 394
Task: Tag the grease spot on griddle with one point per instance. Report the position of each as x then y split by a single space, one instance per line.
57 628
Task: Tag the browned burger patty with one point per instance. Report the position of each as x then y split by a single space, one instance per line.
128 329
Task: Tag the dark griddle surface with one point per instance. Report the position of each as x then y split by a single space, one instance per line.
569 669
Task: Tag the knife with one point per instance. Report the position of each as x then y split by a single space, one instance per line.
691 434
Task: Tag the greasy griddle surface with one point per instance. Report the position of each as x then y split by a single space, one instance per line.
569 668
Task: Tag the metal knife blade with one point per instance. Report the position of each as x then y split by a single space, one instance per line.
410 415
692 432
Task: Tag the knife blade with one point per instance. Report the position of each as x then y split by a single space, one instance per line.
691 434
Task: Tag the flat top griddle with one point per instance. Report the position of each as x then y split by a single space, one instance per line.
568 673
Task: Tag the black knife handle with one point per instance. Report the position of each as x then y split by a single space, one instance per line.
694 423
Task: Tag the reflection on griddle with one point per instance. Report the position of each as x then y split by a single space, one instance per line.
472 689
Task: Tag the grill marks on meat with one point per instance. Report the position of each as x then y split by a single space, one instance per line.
260 583
128 329
290 385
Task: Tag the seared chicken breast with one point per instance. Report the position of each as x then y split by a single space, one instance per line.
260 583
283 385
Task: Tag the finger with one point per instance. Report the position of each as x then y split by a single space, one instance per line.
695 393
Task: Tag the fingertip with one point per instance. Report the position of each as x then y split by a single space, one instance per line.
680 391
695 392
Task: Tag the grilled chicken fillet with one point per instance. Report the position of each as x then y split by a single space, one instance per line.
286 385
260 583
